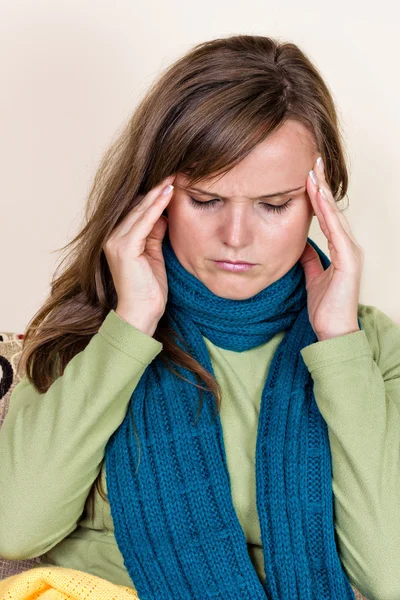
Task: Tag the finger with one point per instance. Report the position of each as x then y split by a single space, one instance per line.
143 224
312 191
329 203
153 194
322 183
349 254
154 197
331 206
337 233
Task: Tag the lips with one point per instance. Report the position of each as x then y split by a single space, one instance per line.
235 263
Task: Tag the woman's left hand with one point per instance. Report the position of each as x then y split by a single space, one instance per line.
332 294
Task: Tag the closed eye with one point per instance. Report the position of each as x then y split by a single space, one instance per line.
267 207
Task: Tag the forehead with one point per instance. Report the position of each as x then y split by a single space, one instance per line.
282 161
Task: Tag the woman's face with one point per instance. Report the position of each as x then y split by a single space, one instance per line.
239 227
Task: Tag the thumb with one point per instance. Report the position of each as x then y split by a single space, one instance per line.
311 263
156 236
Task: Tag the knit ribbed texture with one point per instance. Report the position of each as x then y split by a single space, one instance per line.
174 519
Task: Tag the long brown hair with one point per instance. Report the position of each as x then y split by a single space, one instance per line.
202 116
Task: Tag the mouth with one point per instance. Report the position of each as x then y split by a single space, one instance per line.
230 262
234 267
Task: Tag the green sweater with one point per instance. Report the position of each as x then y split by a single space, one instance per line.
52 448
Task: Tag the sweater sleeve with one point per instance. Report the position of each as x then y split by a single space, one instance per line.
52 444
356 379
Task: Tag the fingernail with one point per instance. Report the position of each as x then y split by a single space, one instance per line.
168 189
320 163
313 177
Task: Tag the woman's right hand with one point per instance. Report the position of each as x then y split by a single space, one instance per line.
135 258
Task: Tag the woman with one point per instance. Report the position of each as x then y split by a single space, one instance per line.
246 418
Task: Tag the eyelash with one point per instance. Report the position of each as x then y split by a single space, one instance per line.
267 207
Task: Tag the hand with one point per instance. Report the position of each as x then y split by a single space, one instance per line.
332 294
135 258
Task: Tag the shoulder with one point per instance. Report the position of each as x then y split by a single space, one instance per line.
383 335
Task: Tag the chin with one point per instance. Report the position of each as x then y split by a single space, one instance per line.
239 290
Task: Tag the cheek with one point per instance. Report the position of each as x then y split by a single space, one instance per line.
280 224
185 226
288 228
297 218
295 229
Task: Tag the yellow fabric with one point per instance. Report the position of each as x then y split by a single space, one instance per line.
60 583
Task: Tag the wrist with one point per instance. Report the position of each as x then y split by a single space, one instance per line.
144 323
321 337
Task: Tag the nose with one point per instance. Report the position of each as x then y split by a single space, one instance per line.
236 227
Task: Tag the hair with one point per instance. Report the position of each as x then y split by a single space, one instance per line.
203 115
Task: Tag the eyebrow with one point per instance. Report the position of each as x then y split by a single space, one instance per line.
274 195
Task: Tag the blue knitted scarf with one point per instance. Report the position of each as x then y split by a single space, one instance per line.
174 519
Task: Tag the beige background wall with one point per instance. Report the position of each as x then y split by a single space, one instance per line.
72 73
